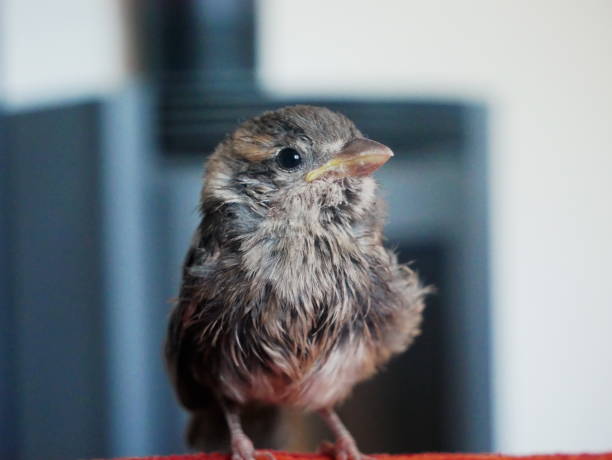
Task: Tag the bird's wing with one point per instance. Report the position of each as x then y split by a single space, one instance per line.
207 428
409 309
181 348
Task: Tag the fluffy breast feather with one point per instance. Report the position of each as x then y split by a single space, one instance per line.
304 306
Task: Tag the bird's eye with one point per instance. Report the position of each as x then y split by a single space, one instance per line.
288 158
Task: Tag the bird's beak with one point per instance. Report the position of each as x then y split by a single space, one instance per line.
360 157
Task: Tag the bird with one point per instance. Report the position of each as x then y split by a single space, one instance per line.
289 297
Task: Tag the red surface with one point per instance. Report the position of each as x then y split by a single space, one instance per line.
434 456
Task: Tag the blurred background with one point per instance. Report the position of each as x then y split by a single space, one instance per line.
500 115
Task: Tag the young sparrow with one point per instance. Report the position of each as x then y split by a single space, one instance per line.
288 296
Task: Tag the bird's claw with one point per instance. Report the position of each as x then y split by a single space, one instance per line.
343 449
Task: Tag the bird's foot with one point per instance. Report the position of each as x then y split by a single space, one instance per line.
242 449
344 449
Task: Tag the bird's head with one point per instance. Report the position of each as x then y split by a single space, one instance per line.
293 158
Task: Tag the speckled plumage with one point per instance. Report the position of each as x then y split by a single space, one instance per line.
289 297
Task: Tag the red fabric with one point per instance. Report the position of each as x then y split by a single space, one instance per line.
433 456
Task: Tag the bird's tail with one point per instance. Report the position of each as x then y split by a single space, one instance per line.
207 430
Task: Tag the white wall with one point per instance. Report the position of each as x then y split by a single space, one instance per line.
51 51
544 68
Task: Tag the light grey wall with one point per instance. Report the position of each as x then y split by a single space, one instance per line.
67 50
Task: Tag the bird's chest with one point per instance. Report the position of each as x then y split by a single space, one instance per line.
305 257
306 348
307 284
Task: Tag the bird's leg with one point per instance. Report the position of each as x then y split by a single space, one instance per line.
241 446
345 447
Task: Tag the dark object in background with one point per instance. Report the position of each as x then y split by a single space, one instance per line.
206 74
53 228
288 296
